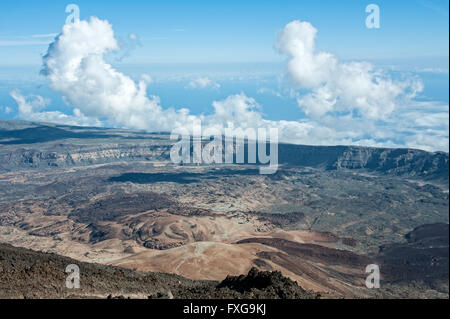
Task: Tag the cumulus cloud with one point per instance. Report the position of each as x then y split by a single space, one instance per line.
31 108
345 103
336 87
31 105
236 110
202 83
354 103
75 67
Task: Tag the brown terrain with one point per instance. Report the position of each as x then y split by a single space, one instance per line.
29 274
113 202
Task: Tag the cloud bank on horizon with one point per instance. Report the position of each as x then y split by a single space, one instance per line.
344 103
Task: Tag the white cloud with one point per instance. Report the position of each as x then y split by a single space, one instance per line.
6 109
34 103
353 103
428 142
431 120
45 35
336 87
202 83
30 108
346 103
75 67
239 110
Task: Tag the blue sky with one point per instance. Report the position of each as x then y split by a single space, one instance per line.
232 46
236 31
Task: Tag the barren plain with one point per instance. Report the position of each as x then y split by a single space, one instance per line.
113 197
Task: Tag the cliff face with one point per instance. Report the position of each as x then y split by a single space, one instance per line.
32 145
26 145
402 162
34 156
409 162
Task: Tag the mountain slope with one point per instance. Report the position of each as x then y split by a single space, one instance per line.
29 274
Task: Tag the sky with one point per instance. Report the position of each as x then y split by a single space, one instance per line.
314 70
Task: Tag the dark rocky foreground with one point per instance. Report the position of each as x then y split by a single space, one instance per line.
26 273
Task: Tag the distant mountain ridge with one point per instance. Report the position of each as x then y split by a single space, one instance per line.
397 161
26 145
